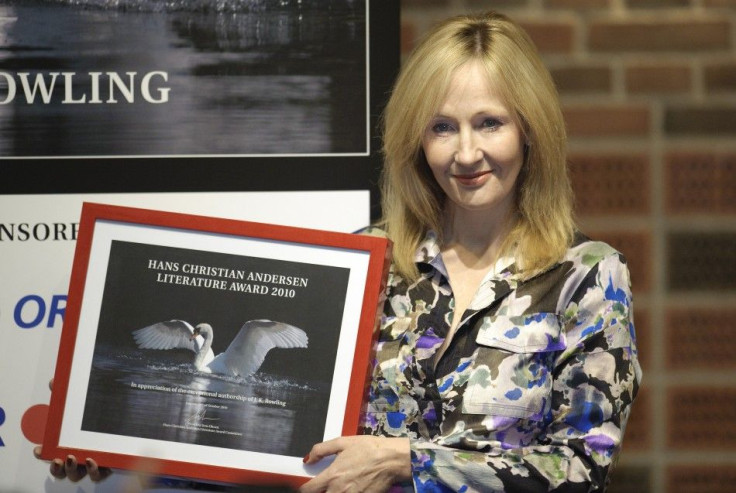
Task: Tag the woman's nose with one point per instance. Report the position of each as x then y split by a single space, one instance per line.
468 152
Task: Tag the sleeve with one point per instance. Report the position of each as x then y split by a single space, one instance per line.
595 380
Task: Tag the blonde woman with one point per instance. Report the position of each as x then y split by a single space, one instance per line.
507 357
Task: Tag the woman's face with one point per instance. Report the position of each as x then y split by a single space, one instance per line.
473 146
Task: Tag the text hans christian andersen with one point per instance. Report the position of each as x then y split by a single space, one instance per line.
226 279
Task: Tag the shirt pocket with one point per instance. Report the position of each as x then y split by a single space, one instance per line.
511 374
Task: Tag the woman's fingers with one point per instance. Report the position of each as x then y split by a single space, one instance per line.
321 450
74 471
57 469
95 472
361 463
70 468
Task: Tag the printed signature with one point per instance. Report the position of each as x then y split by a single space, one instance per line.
199 417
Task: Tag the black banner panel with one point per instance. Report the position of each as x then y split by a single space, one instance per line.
235 95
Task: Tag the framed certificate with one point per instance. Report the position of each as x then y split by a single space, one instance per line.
212 349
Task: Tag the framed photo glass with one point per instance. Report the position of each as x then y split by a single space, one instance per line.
212 349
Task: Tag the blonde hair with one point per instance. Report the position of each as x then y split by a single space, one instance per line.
412 200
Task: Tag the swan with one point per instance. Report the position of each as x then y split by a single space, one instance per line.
242 358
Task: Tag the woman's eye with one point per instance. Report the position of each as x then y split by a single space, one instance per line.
491 123
441 128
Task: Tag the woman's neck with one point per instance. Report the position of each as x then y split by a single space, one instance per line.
472 243
476 238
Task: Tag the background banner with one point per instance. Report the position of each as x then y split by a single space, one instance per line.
193 95
37 241
249 109
185 83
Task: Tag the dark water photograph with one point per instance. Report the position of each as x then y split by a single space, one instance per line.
142 394
150 78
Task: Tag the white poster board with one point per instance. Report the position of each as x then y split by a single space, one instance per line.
37 234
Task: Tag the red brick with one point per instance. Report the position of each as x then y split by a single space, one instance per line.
628 478
701 338
710 121
720 77
408 37
551 37
610 183
582 79
643 329
638 434
657 35
637 248
701 478
700 183
658 79
701 418
607 121
701 261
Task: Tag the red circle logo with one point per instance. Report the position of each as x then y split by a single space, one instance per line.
33 423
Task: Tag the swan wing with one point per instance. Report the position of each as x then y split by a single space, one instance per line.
256 338
167 335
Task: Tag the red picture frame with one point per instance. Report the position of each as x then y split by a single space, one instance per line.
128 405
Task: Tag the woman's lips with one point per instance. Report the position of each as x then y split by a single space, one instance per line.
473 179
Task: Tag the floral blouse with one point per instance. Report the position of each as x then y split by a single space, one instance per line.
533 392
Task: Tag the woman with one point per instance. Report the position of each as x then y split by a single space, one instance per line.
507 358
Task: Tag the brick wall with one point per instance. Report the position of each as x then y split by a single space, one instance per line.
649 95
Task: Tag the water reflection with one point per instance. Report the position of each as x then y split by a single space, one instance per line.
243 79
129 396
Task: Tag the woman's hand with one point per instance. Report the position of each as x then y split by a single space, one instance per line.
362 463
71 469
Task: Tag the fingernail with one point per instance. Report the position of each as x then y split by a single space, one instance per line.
88 462
306 458
69 461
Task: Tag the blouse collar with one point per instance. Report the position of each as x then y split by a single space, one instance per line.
429 253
